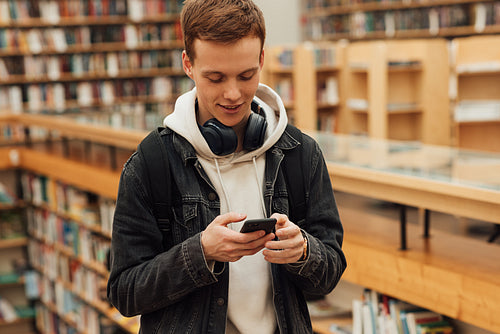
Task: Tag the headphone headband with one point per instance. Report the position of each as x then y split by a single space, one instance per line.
222 139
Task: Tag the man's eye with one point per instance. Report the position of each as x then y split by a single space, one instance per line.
215 80
246 78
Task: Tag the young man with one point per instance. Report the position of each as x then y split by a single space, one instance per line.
226 142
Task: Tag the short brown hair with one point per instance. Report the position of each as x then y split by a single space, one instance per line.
224 21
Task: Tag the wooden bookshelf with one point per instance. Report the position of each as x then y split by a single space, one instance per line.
367 20
308 77
278 73
452 275
397 90
476 73
85 59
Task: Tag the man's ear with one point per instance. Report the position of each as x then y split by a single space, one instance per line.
187 66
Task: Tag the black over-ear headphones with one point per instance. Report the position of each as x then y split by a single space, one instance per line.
222 139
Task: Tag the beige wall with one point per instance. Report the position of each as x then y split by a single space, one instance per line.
282 21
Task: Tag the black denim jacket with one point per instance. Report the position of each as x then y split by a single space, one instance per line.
169 283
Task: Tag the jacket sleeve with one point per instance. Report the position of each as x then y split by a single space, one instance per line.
326 262
143 277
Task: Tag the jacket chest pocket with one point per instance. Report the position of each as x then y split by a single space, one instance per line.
185 224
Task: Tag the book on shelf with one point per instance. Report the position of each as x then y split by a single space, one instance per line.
358 104
7 311
478 67
375 313
6 195
477 110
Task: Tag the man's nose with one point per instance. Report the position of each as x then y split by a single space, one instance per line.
232 91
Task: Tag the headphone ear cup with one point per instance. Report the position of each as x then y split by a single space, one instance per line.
255 132
221 139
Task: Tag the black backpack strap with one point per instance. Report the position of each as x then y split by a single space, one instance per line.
154 152
293 169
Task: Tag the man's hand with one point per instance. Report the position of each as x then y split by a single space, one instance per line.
222 244
290 247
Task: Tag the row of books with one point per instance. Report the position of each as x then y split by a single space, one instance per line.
322 4
109 64
477 111
375 313
284 88
52 10
327 122
82 244
328 91
61 311
324 56
425 18
284 57
62 201
63 97
74 296
76 275
72 39
141 116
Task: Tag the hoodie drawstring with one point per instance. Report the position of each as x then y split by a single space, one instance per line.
223 187
259 186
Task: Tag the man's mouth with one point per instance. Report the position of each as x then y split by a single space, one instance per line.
230 107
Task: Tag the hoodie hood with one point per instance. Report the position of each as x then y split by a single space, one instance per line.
183 121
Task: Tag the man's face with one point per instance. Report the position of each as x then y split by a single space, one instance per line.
226 78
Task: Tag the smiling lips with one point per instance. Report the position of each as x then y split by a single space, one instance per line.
231 109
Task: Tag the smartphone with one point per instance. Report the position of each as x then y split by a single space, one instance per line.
251 225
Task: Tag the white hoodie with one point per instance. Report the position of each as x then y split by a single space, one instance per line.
239 181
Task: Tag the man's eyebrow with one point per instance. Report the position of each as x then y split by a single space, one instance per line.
208 73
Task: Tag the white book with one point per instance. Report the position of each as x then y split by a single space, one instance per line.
369 324
49 11
357 316
112 63
332 90
35 98
390 24
486 66
135 10
34 38
4 11
59 97
77 65
58 39
162 87
84 94
53 68
481 110
357 104
7 311
433 21
480 19
131 36
108 94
